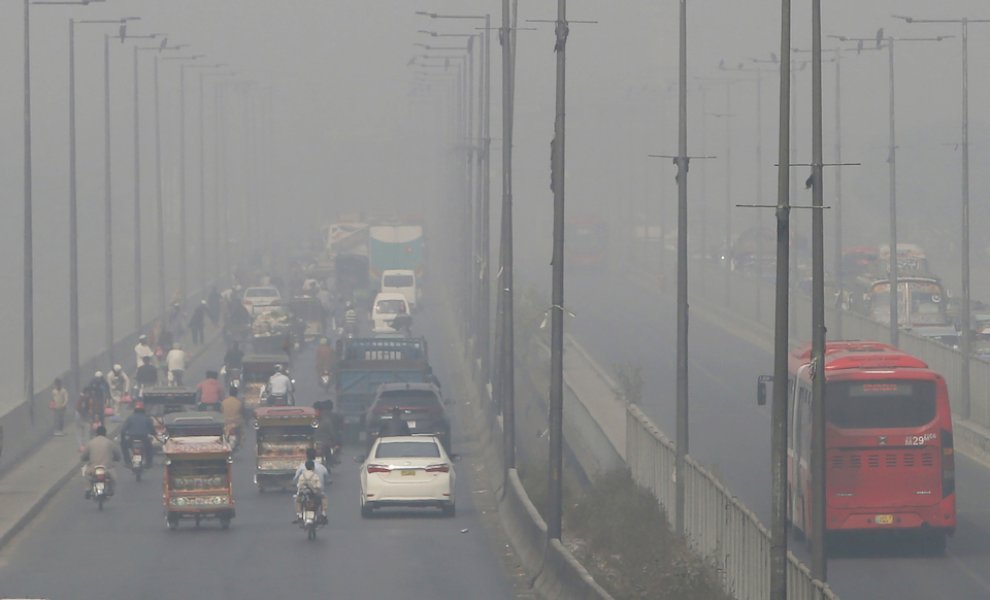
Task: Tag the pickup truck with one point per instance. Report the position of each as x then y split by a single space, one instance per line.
365 363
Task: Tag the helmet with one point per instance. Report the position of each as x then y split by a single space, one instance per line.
278 368
98 374
117 368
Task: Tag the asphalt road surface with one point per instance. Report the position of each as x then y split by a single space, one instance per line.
73 552
731 435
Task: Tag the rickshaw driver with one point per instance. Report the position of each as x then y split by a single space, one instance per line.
233 411
310 480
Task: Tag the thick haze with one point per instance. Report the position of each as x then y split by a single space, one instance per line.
349 134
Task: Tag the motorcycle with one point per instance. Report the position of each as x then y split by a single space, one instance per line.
233 435
137 457
325 381
100 487
312 513
231 377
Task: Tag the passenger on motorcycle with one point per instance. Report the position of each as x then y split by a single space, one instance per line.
310 481
209 392
119 384
137 426
100 451
232 409
279 387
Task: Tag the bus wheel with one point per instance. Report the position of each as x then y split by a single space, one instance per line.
935 543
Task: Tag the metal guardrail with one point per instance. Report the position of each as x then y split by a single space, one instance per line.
716 524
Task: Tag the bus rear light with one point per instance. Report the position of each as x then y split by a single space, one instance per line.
948 464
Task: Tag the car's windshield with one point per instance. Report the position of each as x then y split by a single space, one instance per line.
408 399
425 449
261 293
398 281
391 307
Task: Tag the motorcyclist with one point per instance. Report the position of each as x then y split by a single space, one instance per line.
319 467
232 409
324 357
100 451
147 374
137 426
310 480
142 349
234 358
328 431
209 392
350 318
279 386
175 361
119 384
99 393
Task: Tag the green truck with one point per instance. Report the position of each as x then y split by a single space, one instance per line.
395 247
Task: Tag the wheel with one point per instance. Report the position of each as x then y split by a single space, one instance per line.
261 489
311 533
99 503
197 521
224 522
137 475
935 543
449 510
366 511
171 522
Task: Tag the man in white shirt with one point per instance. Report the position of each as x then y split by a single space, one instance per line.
310 481
141 350
279 386
175 362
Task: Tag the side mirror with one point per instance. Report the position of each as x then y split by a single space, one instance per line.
455 457
360 458
448 401
761 389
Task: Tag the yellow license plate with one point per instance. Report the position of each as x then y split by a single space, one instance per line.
884 519
408 473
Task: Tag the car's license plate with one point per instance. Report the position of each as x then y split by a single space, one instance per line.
884 519
411 424
408 473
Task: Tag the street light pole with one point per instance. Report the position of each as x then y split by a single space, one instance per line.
507 335
556 459
682 162
28 308
965 391
107 202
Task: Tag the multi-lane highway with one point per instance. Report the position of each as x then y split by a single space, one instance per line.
731 435
72 551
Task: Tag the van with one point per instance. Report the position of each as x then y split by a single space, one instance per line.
402 281
387 306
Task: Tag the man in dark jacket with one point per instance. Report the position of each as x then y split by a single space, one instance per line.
137 426
198 322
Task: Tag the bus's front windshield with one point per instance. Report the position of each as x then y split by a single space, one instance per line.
880 404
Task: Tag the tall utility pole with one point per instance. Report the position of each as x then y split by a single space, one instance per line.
506 380
107 201
73 215
28 307
839 279
682 162
964 23
819 560
555 481
486 179
778 520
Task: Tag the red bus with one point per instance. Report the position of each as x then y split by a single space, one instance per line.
888 443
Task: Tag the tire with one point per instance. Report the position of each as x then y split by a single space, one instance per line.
99 503
449 510
197 521
137 475
224 522
311 533
935 543
366 511
171 523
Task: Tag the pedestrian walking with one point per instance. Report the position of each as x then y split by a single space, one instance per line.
213 303
84 417
198 322
58 404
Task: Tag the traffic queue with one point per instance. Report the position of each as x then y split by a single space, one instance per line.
378 392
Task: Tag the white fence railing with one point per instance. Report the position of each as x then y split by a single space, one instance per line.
716 524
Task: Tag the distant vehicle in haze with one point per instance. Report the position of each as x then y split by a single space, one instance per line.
387 306
395 247
260 296
420 405
402 281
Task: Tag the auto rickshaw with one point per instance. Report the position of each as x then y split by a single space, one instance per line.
187 424
197 481
283 435
162 401
256 370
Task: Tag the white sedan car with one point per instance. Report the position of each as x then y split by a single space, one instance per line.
260 296
407 471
